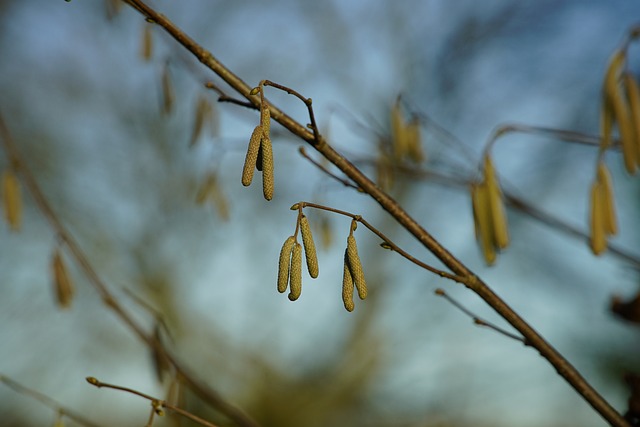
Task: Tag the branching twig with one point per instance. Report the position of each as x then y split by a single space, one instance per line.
342 181
477 320
223 97
386 242
155 402
307 101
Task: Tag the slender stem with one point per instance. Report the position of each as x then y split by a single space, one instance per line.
223 97
562 366
344 182
156 403
388 243
307 101
477 320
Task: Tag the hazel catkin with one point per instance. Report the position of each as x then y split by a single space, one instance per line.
355 267
496 206
309 247
252 156
347 285
63 286
267 168
284 263
295 273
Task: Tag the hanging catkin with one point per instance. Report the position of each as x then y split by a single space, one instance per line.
309 247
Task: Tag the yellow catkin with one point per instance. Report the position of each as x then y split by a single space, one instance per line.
608 200
252 156
203 110
355 267
12 199
610 86
59 423
220 202
267 168
414 141
210 190
606 124
309 247
615 108
146 50
398 131
284 263
614 69
483 222
598 240
633 95
168 95
347 285
498 215
622 118
295 272
384 172
206 189
63 286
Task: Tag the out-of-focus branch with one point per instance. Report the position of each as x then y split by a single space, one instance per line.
155 402
47 401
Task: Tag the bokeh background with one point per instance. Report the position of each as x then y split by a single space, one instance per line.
86 112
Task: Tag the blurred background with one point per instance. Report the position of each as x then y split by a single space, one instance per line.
166 218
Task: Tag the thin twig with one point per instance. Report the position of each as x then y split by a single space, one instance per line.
307 101
477 320
342 181
223 97
559 134
386 242
46 400
154 401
